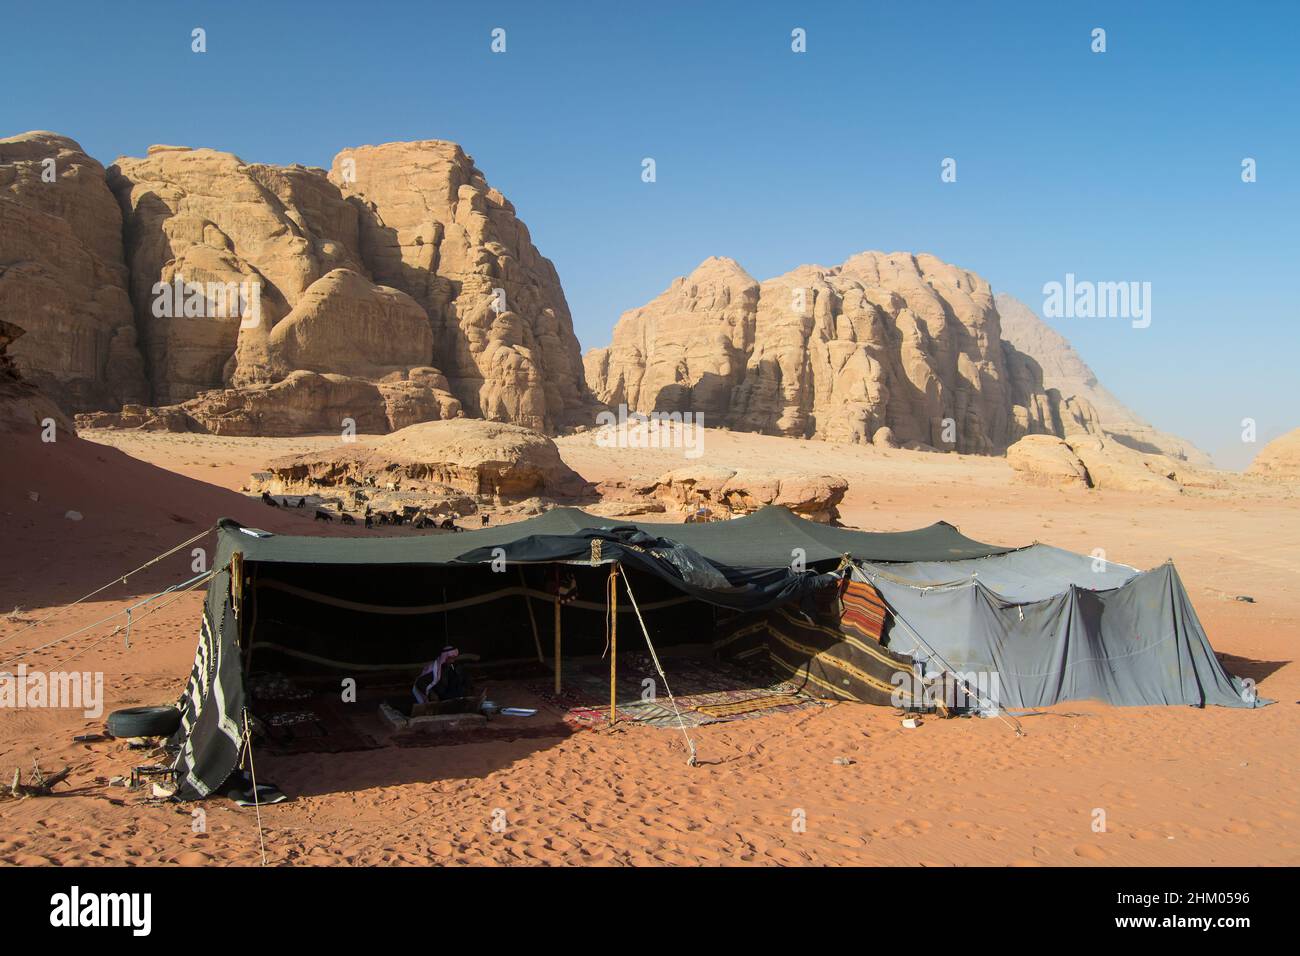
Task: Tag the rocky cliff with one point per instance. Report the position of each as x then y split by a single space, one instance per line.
63 277
1065 370
886 349
400 280
431 226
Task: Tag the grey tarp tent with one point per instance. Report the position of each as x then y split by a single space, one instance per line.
1055 626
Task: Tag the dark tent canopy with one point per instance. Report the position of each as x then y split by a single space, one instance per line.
765 539
371 604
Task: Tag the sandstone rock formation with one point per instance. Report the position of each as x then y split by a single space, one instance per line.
401 279
1064 370
1083 459
302 403
431 226
63 279
432 463
344 323
816 497
903 347
1279 460
260 235
1047 460
22 405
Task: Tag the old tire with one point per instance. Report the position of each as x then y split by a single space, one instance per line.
144 722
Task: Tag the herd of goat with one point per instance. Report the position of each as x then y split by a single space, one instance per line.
418 520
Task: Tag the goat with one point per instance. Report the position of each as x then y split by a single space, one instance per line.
347 518
323 516
268 500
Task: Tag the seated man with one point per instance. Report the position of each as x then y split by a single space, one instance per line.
441 679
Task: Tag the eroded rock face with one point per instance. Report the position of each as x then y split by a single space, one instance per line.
414 292
22 405
62 275
431 226
905 347
204 216
344 323
1064 370
401 266
1279 460
486 459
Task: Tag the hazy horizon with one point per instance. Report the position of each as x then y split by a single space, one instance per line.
1122 166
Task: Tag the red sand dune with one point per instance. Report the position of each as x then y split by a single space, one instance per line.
1179 786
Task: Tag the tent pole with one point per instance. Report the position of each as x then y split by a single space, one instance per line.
613 643
528 603
557 644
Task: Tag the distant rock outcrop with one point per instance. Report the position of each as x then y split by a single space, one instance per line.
301 403
63 279
727 491
1064 370
1279 460
1085 460
432 463
896 349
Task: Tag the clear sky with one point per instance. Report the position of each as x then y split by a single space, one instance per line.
1115 166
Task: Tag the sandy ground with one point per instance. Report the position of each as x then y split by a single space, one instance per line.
1178 786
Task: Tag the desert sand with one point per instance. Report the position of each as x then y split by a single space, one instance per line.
1179 786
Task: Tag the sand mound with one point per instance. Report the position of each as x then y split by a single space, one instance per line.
74 513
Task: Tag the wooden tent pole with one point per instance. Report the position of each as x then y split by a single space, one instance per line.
557 644
613 643
532 619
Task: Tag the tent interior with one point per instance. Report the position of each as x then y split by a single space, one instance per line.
327 619
304 626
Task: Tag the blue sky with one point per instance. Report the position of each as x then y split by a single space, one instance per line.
1115 167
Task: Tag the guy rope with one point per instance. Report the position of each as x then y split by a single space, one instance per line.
192 583
121 580
681 721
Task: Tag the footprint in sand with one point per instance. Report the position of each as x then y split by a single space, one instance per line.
1089 852
1237 827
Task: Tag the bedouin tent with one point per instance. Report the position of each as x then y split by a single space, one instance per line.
371 604
1051 628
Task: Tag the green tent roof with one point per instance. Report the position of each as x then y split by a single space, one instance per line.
765 539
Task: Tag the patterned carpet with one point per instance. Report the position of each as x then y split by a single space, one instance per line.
707 692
